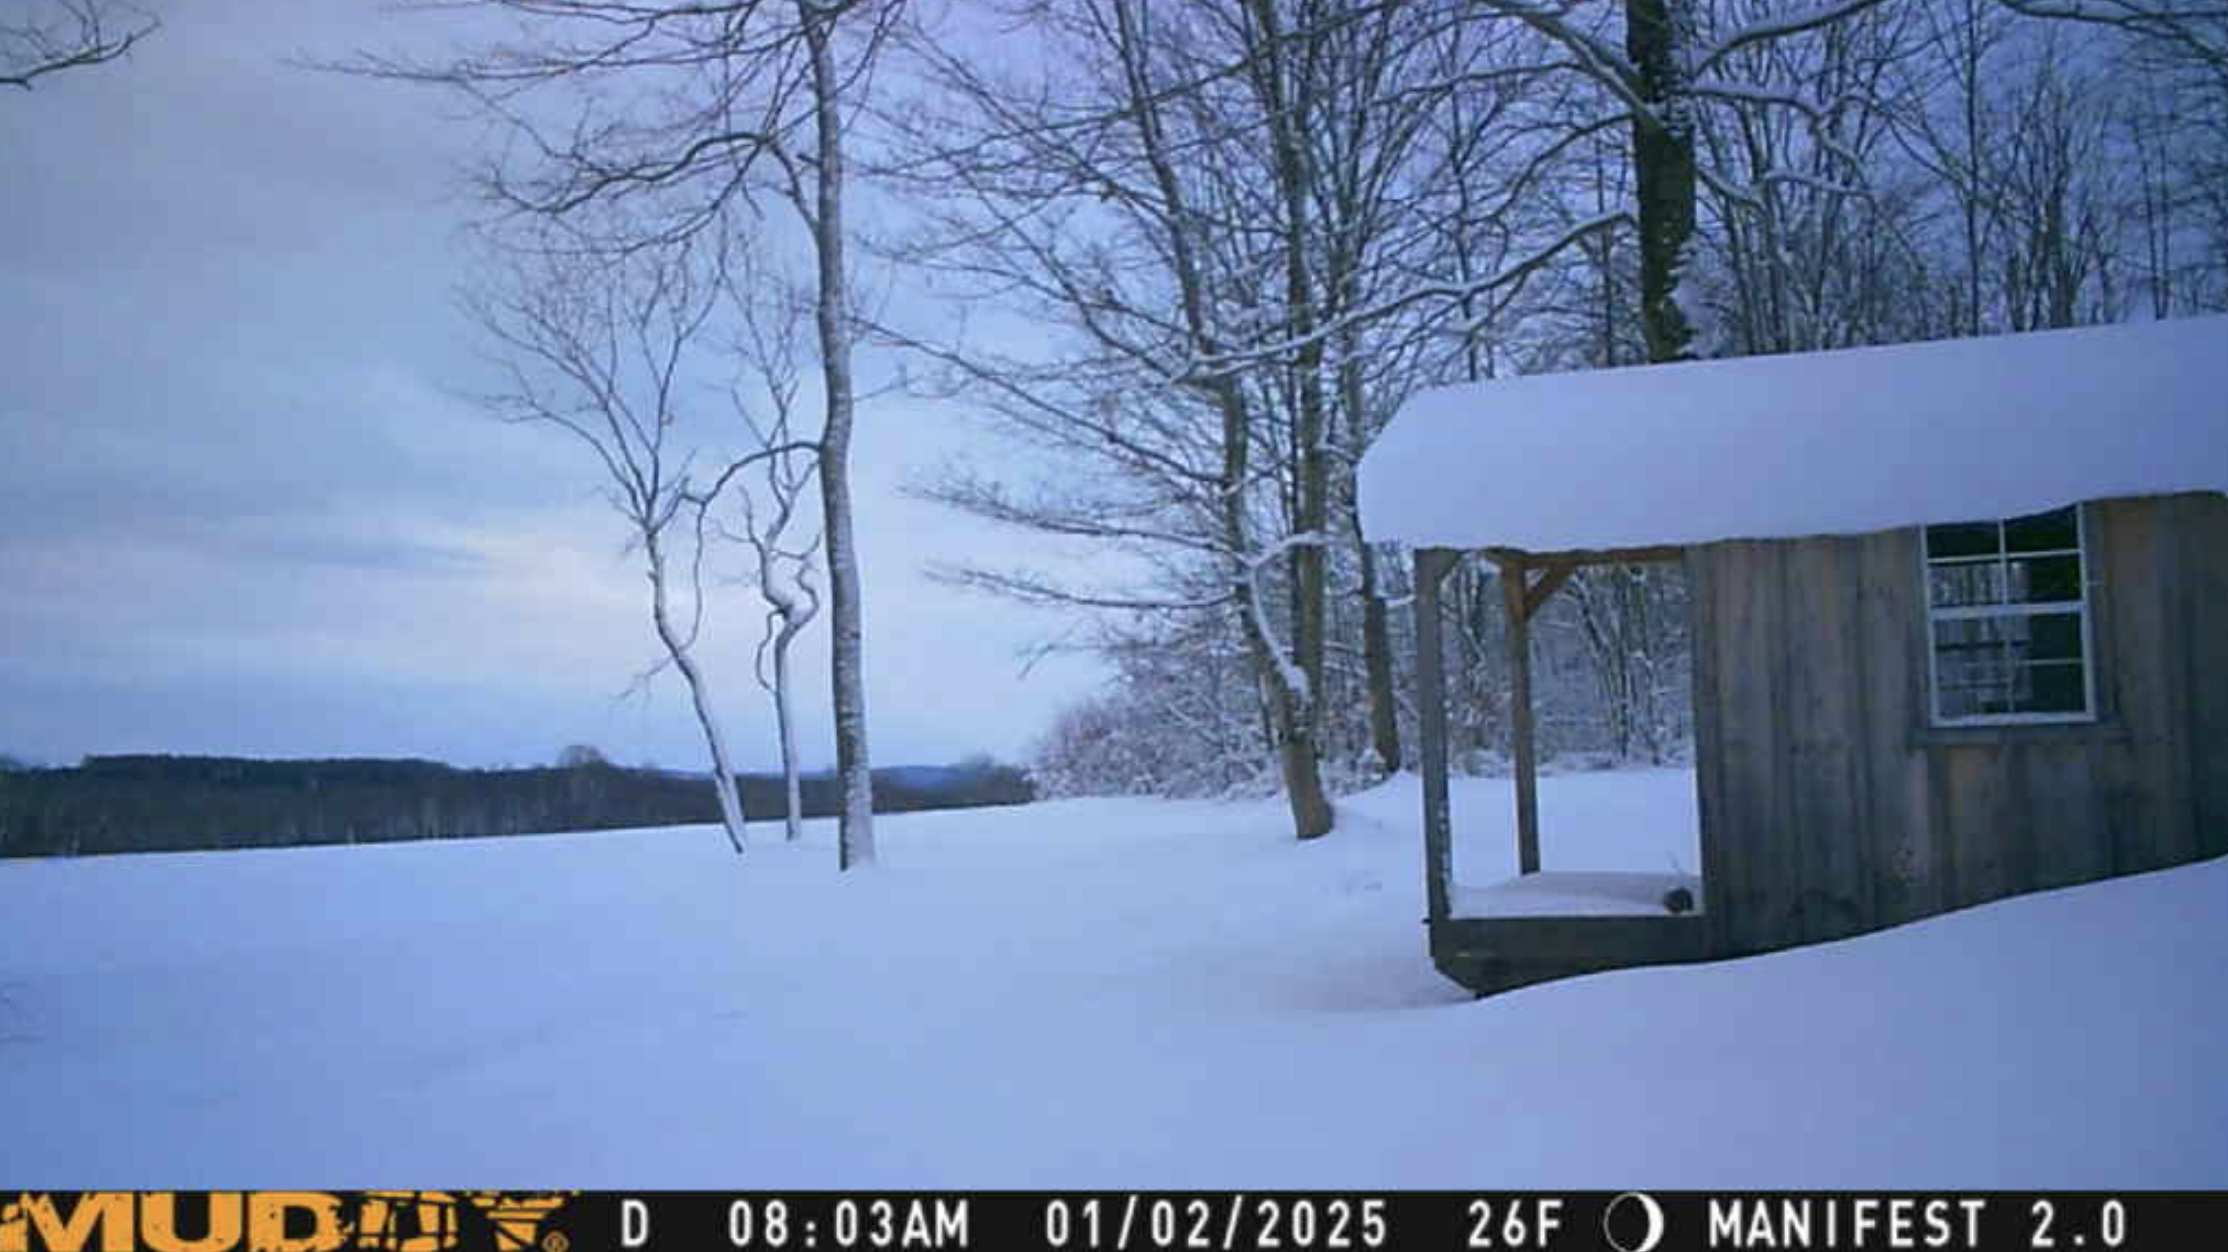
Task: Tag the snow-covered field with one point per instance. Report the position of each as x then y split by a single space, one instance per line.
1090 993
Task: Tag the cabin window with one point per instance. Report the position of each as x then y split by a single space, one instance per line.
2008 616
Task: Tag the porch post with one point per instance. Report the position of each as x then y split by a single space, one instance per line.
1431 566
1516 596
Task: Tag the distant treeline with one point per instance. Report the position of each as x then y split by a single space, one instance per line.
184 803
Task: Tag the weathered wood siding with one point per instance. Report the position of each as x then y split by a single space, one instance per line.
1830 806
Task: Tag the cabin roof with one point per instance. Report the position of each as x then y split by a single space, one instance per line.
1842 442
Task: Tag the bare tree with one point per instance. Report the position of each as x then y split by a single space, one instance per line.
1226 212
48 36
1669 64
1100 220
1794 211
782 560
2194 32
2064 204
1807 174
785 576
2029 139
680 110
602 349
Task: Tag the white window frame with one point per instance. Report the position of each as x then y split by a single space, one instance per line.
1927 564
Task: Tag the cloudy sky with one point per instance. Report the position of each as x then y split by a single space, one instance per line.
243 511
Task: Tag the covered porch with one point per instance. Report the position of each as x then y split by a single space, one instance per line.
1540 925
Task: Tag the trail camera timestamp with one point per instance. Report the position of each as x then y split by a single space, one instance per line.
780 1223
1228 1221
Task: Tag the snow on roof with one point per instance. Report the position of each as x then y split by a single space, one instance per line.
1839 442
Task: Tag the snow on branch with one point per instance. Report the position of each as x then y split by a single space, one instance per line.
1600 59
1219 364
1816 115
1779 26
1302 539
1288 672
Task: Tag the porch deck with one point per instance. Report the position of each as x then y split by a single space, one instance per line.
1577 893
1495 954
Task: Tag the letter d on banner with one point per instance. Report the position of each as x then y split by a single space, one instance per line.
634 1223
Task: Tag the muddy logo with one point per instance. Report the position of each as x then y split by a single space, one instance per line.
281 1221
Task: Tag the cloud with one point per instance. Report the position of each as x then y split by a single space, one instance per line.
243 508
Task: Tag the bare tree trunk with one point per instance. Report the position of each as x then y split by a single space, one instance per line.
1969 58
1286 683
1657 34
1377 660
1282 682
1377 646
1302 715
1296 751
832 316
618 333
684 660
791 779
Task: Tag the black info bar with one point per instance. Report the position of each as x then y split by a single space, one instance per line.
1105 1221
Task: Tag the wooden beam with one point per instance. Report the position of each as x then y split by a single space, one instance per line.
1431 565
1434 564
1549 583
1515 590
1590 556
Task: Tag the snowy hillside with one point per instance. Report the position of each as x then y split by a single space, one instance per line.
1103 993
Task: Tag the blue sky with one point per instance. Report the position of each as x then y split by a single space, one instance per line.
242 509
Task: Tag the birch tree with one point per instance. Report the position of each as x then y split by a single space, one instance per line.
781 548
679 112
603 350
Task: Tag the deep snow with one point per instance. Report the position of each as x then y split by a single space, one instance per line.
1119 993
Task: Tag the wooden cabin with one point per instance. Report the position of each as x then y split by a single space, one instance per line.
1960 618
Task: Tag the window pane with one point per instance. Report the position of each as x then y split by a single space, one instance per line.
2054 637
1963 539
2055 689
1975 636
1968 583
2040 579
2056 530
1974 669
2008 663
1995 665
1954 703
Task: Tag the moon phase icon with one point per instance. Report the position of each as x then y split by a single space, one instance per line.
1617 1227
